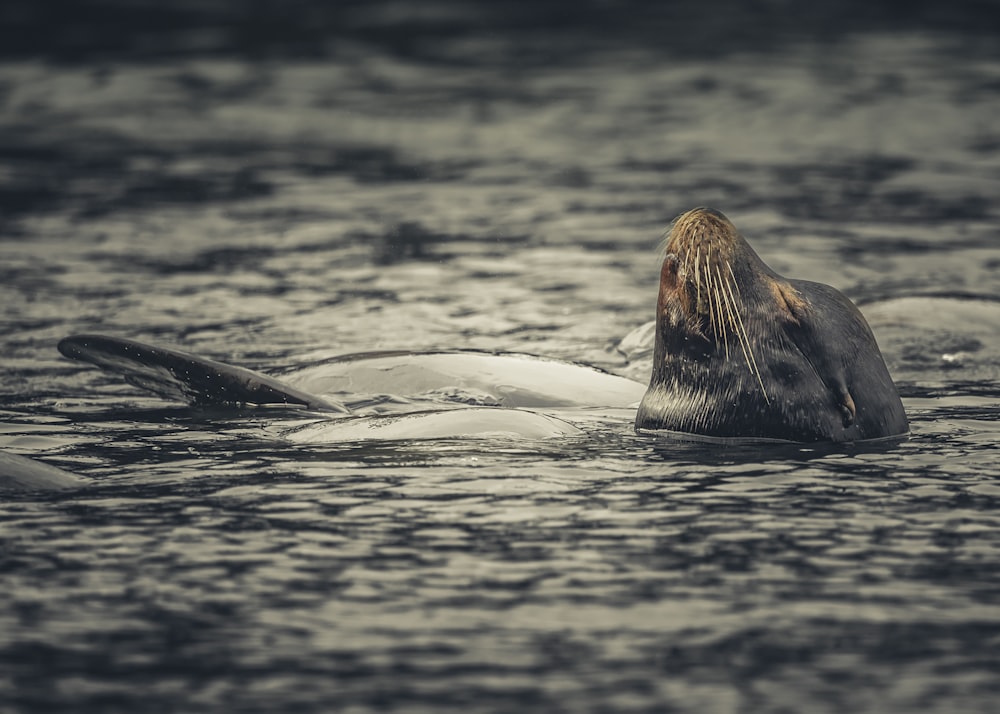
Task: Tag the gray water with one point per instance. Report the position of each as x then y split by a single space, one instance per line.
274 212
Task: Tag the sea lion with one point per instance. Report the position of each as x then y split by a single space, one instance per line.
741 352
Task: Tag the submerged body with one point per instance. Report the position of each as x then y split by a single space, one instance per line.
503 379
742 353
379 395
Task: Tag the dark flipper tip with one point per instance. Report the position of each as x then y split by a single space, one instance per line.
186 377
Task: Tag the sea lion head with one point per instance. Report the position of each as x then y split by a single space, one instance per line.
742 352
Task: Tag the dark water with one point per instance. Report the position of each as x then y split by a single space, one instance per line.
440 180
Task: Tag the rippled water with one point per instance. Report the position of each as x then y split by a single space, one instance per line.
271 214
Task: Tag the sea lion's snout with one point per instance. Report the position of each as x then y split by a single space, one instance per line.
704 242
701 228
697 275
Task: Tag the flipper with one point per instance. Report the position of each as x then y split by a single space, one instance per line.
177 375
20 473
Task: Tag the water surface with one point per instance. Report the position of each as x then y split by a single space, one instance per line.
273 213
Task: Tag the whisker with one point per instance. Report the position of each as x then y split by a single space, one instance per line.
723 301
661 247
737 323
748 350
709 291
697 279
736 283
743 346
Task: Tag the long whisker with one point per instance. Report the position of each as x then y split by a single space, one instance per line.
748 348
661 248
736 283
732 307
710 290
723 301
697 279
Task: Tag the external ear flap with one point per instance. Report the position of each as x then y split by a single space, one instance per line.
790 304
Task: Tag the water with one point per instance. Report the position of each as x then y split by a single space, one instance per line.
271 213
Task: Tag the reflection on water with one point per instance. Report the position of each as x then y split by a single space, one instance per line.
277 214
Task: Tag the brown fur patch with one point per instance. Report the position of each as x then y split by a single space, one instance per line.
788 300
